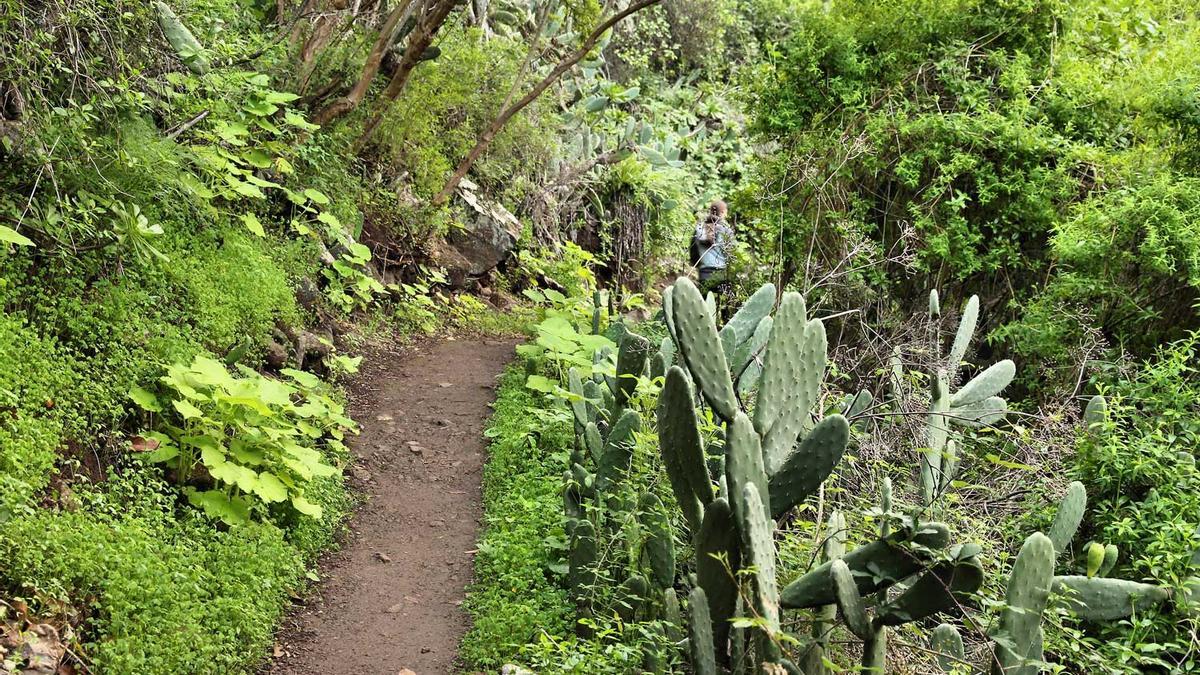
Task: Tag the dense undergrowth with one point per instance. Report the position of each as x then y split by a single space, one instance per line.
188 263
514 598
1140 481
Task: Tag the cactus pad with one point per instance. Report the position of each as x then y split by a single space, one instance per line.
718 537
794 418
681 446
701 348
748 367
1028 591
849 601
758 541
785 350
660 541
946 642
876 565
743 464
631 363
809 464
741 326
985 385
1070 514
962 337
700 630
944 587
1098 599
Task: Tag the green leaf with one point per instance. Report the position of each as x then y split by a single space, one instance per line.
270 488
296 120
145 399
11 236
316 195
230 510
258 158
306 380
261 108
279 97
306 507
540 383
251 222
186 409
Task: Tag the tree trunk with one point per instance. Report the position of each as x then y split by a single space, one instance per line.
489 134
418 41
351 100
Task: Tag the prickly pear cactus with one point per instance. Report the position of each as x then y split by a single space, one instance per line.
809 464
700 346
718 559
1019 641
186 46
947 644
875 565
659 545
976 403
1099 599
682 448
700 630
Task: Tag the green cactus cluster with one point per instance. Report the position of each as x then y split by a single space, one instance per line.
743 440
975 403
1033 587
776 453
601 504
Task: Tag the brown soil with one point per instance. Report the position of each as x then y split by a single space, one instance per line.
391 597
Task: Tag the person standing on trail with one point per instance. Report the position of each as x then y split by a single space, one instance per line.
714 243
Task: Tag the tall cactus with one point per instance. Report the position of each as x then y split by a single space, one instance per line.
976 403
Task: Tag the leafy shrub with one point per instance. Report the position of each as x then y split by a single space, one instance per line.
161 595
254 436
1141 469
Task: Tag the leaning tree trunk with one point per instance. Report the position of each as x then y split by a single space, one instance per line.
430 22
350 101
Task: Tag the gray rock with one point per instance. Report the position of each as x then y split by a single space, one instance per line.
489 234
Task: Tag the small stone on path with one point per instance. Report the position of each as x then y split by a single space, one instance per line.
383 557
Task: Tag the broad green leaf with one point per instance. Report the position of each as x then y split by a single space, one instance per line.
279 97
232 511
209 372
11 236
316 195
296 120
251 222
540 383
186 409
306 380
306 507
261 108
145 399
270 488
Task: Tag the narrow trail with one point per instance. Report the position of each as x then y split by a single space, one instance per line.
391 597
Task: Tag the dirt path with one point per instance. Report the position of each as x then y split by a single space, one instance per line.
391 597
